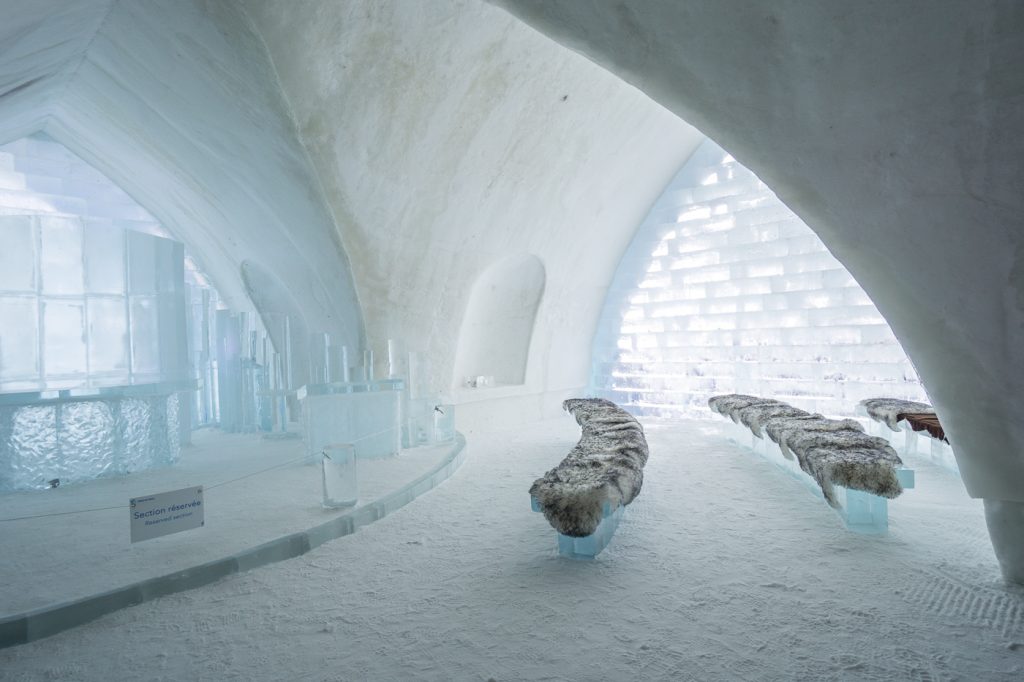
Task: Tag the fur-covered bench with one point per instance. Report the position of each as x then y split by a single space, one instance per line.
922 433
855 472
583 498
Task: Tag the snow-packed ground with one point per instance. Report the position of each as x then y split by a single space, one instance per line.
723 569
256 490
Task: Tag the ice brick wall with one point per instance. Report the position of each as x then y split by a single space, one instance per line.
724 289
86 306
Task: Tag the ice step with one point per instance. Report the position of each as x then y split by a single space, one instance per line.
10 179
590 546
6 161
40 203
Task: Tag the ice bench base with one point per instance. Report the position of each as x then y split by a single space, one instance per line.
861 512
591 545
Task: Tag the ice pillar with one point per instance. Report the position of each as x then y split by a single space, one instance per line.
1005 521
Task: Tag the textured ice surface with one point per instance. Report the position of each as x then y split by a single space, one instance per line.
604 469
886 410
340 476
588 546
724 289
77 440
66 317
369 419
842 460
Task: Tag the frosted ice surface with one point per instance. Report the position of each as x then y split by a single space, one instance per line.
19 338
105 260
589 546
340 476
64 337
18 255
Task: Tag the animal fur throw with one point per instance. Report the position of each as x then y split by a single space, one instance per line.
730 405
780 429
754 416
885 410
605 466
851 459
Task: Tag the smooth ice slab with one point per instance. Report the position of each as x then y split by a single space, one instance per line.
591 545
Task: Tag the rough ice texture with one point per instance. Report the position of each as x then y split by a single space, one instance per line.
832 451
754 416
848 458
730 405
779 429
606 466
885 409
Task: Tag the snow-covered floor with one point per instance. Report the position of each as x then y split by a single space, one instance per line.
723 569
51 559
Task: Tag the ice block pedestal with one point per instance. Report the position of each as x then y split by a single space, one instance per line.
366 414
591 545
341 484
51 438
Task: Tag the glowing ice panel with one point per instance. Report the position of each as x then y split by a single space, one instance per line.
108 334
145 335
60 256
17 254
64 351
105 260
19 337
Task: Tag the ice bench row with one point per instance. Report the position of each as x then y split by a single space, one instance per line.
855 472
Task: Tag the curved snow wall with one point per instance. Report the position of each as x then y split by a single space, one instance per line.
724 289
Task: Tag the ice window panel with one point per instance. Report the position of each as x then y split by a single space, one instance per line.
60 256
145 335
17 254
142 263
108 335
64 351
105 260
19 338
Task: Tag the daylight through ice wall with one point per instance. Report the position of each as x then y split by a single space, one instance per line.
725 290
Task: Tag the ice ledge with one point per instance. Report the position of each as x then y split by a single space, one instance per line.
40 623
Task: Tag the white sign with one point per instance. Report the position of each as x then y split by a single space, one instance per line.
165 513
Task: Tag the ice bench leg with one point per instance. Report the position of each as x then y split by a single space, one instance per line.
591 545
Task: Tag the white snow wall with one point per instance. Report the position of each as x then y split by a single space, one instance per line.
724 290
448 136
896 132
176 102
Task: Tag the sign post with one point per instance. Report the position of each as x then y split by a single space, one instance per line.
165 513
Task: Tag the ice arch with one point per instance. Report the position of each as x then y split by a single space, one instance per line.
904 156
724 290
497 328
177 103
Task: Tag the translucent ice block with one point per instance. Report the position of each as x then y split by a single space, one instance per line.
108 334
61 261
444 423
19 340
18 255
591 545
64 349
340 480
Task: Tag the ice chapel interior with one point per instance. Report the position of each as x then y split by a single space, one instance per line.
511 339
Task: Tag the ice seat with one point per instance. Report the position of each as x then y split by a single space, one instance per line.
589 546
860 511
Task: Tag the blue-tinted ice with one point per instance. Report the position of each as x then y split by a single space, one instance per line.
591 545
